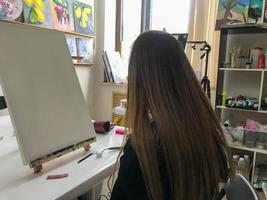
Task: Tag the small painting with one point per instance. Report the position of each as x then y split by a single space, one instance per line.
265 13
37 12
10 9
62 15
84 18
255 11
232 12
85 50
71 42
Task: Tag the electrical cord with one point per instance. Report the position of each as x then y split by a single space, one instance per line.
110 182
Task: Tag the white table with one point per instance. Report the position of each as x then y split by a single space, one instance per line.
19 182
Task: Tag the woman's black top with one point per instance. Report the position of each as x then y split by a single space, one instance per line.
130 183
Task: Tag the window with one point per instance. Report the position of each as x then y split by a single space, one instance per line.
172 15
131 24
134 16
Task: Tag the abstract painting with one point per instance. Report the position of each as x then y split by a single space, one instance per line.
62 15
71 42
232 12
84 18
255 11
85 49
37 12
10 9
265 13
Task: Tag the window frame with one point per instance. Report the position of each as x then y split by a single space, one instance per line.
145 23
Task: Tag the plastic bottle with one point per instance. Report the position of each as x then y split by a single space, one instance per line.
261 62
247 161
224 96
241 165
235 162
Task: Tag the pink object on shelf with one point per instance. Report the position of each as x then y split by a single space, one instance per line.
120 131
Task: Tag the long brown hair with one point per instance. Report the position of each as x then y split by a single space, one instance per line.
175 132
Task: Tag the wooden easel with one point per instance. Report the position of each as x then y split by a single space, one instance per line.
37 164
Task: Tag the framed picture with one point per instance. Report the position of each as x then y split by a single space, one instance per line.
256 11
84 17
37 12
265 12
232 12
71 42
10 9
62 14
85 49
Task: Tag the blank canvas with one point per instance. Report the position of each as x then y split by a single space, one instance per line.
43 94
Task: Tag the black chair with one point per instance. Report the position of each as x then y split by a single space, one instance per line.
2 103
237 188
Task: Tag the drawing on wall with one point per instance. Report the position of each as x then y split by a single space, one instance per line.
255 11
71 41
84 18
265 13
232 12
37 12
62 15
10 9
85 50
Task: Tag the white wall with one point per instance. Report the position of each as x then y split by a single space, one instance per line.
105 39
85 76
1 92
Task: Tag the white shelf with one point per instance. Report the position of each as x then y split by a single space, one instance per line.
243 110
243 69
263 151
66 32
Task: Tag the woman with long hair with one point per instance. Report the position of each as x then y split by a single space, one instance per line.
176 149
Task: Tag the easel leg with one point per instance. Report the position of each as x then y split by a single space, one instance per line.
87 147
37 169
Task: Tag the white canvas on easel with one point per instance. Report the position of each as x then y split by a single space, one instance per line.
42 91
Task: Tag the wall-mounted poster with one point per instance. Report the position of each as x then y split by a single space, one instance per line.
62 15
10 9
255 11
71 41
84 17
85 49
37 12
232 12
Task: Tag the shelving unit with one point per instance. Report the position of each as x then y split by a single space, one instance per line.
67 32
242 81
243 69
78 35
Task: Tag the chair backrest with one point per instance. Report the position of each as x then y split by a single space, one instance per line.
238 188
2 102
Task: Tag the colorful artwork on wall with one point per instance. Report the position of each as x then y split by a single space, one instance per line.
265 12
84 18
71 41
85 49
10 9
62 15
232 12
37 12
255 12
